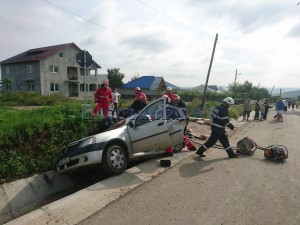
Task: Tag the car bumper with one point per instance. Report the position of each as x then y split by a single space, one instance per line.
69 164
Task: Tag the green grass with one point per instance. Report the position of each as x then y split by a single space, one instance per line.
30 140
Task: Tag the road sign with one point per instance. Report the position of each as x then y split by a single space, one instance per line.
80 58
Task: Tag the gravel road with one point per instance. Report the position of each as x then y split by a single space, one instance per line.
217 190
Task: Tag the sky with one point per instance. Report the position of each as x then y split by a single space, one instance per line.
258 40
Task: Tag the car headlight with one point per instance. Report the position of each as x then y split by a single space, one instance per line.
88 141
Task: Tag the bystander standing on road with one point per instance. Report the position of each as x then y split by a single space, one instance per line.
279 109
262 111
247 109
256 109
266 105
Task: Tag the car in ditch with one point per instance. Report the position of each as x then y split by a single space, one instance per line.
143 135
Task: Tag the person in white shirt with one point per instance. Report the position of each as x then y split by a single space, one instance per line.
115 98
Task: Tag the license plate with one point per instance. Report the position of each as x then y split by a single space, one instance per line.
63 161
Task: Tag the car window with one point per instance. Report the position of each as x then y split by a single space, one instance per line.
153 112
172 113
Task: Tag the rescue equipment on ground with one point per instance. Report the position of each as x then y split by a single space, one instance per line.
247 146
165 163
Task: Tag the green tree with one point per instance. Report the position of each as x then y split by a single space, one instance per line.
259 93
247 90
236 90
115 77
7 82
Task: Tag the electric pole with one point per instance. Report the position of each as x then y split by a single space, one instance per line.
208 73
235 77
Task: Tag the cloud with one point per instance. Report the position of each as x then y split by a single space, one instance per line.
295 31
147 43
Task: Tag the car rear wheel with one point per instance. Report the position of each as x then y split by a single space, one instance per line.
177 148
114 160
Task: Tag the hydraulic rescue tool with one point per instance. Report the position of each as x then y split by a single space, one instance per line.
247 146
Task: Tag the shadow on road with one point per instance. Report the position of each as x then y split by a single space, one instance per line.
197 167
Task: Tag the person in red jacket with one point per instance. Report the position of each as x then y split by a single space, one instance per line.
103 97
169 93
140 100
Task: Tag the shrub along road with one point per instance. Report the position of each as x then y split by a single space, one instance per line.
217 190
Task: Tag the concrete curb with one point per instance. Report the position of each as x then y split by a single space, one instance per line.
21 196
80 205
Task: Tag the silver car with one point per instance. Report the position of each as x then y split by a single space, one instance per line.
146 134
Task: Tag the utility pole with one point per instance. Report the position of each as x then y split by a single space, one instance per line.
208 73
235 77
280 93
272 90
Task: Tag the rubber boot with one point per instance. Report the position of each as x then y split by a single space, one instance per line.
200 151
231 154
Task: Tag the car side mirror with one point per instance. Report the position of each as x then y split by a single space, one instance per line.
131 124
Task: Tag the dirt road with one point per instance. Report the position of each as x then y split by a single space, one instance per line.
218 190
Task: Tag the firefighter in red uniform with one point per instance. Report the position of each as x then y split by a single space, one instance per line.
140 100
169 93
102 99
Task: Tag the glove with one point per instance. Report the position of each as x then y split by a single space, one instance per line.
231 126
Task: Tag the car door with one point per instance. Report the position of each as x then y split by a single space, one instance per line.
176 120
150 128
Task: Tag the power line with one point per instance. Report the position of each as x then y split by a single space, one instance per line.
106 28
164 14
75 14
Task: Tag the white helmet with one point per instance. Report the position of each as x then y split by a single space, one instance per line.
169 88
228 100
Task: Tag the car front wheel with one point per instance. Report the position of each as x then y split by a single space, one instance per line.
114 160
177 148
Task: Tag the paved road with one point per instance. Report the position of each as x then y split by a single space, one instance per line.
217 190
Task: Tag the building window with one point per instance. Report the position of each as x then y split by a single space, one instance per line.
53 69
54 87
7 70
82 87
61 54
17 69
29 69
30 86
8 87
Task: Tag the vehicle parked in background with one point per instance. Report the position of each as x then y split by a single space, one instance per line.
146 134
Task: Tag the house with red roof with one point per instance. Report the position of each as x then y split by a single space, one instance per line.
50 70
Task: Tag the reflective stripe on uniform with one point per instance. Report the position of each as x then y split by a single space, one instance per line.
205 146
221 118
227 148
216 125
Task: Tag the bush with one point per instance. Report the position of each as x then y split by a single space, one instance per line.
31 140
233 113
